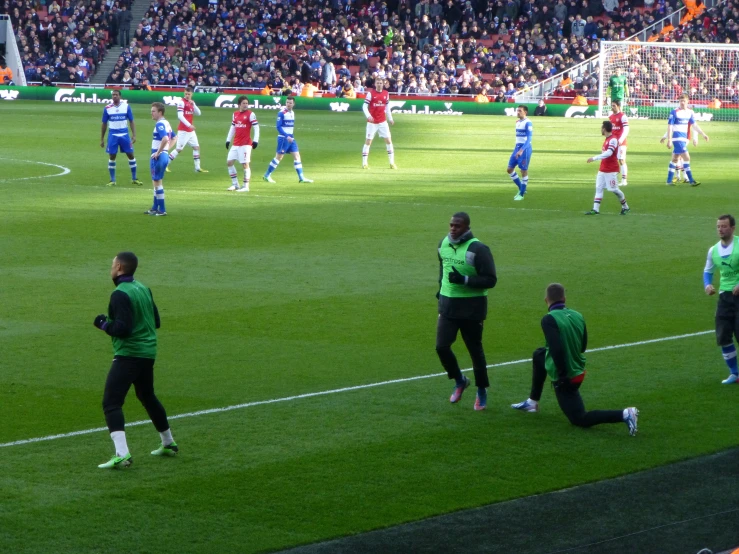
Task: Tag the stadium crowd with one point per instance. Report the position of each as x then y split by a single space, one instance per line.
481 47
60 42
487 47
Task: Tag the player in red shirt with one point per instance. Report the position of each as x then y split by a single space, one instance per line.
186 130
377 111
608 173
620 131
242 124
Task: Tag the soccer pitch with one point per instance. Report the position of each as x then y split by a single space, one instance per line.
295 289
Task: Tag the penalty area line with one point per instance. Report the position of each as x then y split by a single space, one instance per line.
332 391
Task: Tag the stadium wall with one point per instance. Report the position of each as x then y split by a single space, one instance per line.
398 105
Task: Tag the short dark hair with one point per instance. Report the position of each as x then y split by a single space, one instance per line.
617 102
731 219
524 108
189 88
158 106
241 98
555 292
129 262
608 126
464 216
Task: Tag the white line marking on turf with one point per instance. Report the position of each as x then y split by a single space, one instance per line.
65 171
332 391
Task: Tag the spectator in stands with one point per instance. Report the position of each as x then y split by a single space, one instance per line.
124 18
541 109
6 74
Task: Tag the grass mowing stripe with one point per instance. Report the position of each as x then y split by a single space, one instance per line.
333 391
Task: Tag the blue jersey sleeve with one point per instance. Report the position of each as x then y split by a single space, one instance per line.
129 114
280 124
105 116
160 132
692 118
671 119
529 134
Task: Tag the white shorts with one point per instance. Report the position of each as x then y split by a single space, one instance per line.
187 138
607 181
383 129
621 154
241 154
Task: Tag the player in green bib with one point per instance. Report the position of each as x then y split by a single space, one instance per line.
563 361
466 272
618 88
724 255
132 323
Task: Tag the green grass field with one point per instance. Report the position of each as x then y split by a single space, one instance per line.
295 289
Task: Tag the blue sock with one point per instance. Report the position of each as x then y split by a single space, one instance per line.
460 381
729 353
160 199
132 165
671 173
299 169
686 169
525 181
111 170
517 181
482 392
272 166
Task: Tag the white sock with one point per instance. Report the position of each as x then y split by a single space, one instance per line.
119 439
166 437
173 154
247 177
626 413
196 159
534 402
390 153
365 153
232 173
623 172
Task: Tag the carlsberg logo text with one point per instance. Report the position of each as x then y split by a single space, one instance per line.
396 105
68 95
229 101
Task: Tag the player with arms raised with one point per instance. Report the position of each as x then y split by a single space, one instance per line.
521 155
620 131
242 124
618 87
377 111
607 176
159 159
679 126
116 119
286 142
186 130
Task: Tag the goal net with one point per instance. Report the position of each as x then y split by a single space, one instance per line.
658 73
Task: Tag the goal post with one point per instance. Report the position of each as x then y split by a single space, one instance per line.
658 73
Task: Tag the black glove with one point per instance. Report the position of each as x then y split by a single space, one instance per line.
254 145
100 322
228 145
563 384
456 277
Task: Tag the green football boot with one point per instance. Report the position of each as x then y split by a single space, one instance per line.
169 450
117 462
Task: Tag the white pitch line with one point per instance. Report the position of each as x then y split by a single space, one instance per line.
332 391
65 171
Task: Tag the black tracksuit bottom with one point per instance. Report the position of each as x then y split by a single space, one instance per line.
124 372
569 399
446 334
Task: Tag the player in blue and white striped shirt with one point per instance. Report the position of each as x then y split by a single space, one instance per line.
286 143
116 119
160 142
521 155
679 126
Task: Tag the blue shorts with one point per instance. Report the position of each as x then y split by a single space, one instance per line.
285 147
119 141
522 161
679 147
159 166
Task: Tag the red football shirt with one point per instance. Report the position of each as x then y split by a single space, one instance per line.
620 122
186 107
377 103
243 122
610 164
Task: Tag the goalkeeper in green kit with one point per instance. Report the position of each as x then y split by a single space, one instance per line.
618 88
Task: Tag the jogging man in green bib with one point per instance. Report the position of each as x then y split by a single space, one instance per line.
724 255
466 272
563 361
132 323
